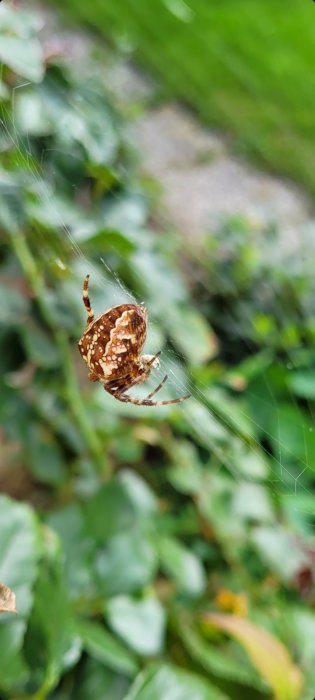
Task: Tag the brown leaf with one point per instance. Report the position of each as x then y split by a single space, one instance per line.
267 653
7 599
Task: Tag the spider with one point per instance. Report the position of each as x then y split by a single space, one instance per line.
111 347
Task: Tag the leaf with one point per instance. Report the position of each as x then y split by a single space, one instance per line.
104 647
190 333
13 306
17 21
51 644
39 346
140 623
182 565
79 550
267 653
104 239
251 462
301 624
160 283
251 502
12 213
126 564
168 682
205 426
7 599
302 383
292 434
219 662
113 500
94 680
32 116
126 212
280 550
138 491
91 123
20 549
44 455
186 474
23 57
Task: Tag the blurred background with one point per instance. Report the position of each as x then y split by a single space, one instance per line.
166 149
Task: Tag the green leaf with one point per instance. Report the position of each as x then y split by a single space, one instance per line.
140 623
302 383
251 462
252 502
186 474
205 427
12 213
20 549
126 564
301 623
166 682
266 652
39 346
94 680
32 116
104 647
104 239
51 644
191 334
281 551
219 661
182 565
19 21
45 456
113 500
79 550
138 491
291 431
4 92
126 213
13 306
161 285
23 57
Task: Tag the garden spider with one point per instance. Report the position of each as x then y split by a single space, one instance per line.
111 347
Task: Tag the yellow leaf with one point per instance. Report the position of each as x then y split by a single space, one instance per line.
7 599
267 653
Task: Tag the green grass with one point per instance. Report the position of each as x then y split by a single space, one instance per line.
246 66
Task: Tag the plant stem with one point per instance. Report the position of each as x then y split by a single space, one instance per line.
73 393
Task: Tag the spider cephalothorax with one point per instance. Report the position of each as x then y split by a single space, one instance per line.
111 347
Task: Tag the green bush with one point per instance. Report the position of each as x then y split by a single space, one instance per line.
151 558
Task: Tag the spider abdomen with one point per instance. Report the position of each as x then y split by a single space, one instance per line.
112 343
111 347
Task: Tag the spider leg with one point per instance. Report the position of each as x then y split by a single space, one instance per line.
147 402
117 391
118 394
155 391
153 358
86 301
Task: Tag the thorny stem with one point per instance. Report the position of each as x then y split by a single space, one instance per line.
73 393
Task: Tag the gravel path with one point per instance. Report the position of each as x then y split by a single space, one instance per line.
202 181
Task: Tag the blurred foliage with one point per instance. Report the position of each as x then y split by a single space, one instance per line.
260 297
245 67
153 556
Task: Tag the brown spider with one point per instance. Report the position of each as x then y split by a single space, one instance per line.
111 347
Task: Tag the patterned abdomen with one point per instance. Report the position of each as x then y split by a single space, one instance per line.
112 343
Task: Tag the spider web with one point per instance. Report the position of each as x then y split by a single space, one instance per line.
105 279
